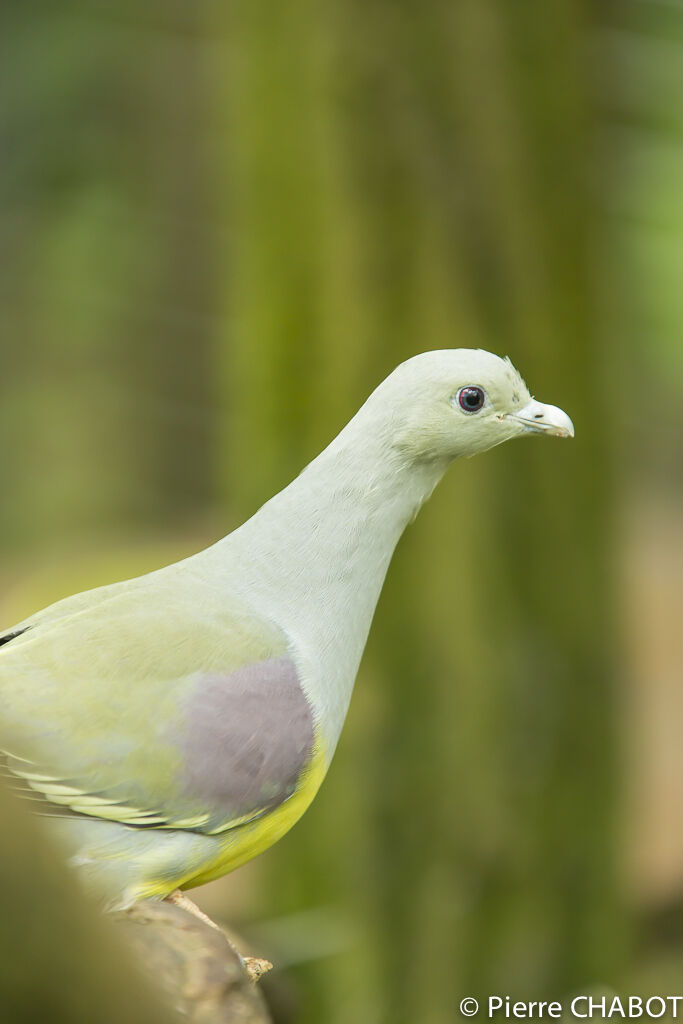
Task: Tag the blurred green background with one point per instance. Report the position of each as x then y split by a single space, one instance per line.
222 225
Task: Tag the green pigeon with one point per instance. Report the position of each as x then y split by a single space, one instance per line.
175 725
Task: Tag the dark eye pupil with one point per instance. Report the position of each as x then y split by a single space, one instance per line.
471 399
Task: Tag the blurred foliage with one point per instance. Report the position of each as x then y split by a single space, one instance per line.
223 225
58 960
639 56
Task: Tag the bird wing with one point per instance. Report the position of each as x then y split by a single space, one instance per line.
154 703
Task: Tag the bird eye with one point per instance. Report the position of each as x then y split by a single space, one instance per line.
471 398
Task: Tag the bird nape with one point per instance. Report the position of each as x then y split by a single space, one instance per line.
175 725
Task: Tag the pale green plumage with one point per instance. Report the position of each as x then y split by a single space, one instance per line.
107 700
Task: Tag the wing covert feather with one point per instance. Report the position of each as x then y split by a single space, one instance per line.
155 706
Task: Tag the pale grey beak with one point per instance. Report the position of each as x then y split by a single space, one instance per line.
537 418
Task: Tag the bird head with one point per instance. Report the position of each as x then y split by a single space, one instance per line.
456 402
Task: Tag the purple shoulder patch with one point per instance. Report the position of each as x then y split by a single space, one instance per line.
245 738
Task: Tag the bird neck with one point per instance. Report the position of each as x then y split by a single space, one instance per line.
314 558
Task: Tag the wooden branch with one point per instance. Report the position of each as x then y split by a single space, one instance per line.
195 964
